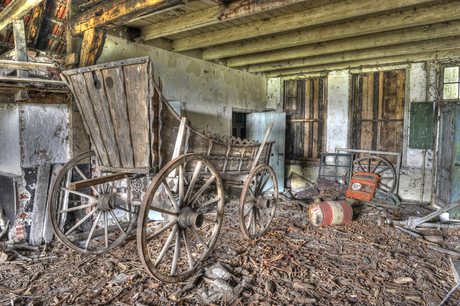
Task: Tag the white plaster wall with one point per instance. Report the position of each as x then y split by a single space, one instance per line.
337 110
10 160
274 99
45 137
209 91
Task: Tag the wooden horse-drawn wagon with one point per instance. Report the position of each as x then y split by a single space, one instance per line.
150 169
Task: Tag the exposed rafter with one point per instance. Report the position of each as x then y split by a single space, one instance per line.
116 12
16 10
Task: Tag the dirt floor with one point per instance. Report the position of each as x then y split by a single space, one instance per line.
295 263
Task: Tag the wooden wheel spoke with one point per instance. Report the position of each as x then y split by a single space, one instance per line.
261 221
193 181
124 209
181 185
269 189
79 193
251 192
191 263
166 246
249 222
106 229
382 170
80 222
162 229
265 184
116 221
75 208
171 196
92 229
259 181
254 222
210 221
209 202
198 237
176 253
164 211
85 178
250 209
201 190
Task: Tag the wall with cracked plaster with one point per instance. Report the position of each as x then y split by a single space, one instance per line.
208 91
44 134
10 160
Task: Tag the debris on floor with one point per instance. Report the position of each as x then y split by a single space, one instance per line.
294 263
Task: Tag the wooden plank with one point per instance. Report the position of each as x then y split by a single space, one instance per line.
20 45
9 78
87 112
114 88
94 84
137 99
98 180
179 142
315 104
375 110
39 209
300 104
321 116
381 102
306 126
366 127
25 65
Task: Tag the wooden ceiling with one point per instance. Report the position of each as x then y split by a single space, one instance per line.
284 37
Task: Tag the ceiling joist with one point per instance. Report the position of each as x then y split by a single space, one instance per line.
312 17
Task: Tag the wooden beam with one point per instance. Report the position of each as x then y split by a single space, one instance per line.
9 78
35 24
116 12
371 63
395 21
362 42
20 45
316 16
16 10
25 65
93 42
182 23
98 180
243 8
403 50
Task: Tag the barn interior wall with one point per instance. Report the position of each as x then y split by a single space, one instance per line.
208 92
420 87
9 139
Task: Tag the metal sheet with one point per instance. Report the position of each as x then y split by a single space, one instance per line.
257 125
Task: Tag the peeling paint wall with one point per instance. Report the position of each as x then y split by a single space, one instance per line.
337 122
208 91
10 160
274 97
44 134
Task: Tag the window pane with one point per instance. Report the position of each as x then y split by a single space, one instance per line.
451 75
450 91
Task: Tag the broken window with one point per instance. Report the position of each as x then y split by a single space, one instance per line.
377 110
305 107
451 83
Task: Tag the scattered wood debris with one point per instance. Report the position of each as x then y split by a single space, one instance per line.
360 263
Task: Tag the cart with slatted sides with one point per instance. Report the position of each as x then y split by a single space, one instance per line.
151 171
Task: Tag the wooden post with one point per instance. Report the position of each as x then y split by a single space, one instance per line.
91 49
20 45
36 21
261 148
179 142
39 209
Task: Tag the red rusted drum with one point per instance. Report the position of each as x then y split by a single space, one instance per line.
331 212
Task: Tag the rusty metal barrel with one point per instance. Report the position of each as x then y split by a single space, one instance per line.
330 212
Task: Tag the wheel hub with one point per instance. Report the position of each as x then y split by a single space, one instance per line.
262 202
106 202
188 217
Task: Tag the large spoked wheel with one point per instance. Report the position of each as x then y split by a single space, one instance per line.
90 220
380 166
258 201
180 218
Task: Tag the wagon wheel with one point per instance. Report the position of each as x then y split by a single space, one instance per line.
90 220
258 201
190 200
380 166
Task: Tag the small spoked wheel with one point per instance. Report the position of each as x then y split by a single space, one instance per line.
258 201
90 220
380 166
180 218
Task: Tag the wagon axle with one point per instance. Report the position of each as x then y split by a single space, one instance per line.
188 217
